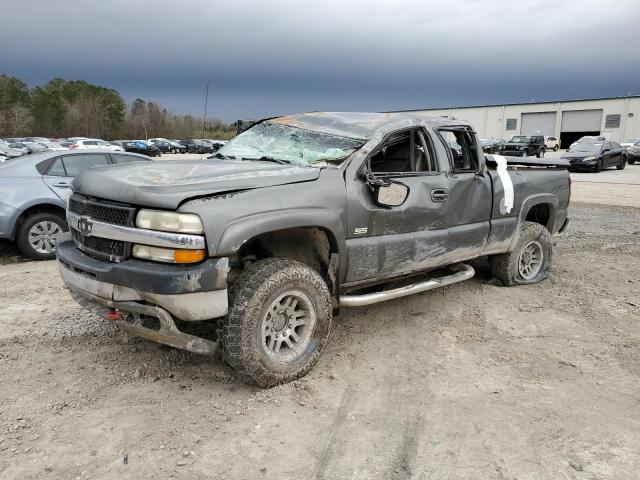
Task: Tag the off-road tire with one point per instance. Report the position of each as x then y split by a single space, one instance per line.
622 164
540 153
504 267
22 236
253 291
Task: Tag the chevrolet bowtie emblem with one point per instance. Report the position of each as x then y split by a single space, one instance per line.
85 225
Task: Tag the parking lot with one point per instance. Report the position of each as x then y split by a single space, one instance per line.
469 381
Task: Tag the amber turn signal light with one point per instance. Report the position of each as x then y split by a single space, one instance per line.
188 256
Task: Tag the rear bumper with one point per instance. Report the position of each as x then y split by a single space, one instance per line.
190 293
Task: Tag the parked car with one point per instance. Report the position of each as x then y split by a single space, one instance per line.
552 143
325 210
94 144
596 156
3 157
9 152
35 189
630 142
217 144
195 145
25 147
140 146
524 146
52 146
588 139
36 139
168 146
491 145
633 153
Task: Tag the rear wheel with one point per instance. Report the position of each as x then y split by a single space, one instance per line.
36 236
279 322
555 148
530 260
540 153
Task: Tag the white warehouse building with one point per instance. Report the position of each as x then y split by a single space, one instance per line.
616 118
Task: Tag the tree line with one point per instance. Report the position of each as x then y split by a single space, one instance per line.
62 108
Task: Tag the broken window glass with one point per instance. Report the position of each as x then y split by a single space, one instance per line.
290 144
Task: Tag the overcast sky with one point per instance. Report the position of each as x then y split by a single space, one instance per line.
277 56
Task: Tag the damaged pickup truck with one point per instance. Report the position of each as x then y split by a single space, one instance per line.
296 217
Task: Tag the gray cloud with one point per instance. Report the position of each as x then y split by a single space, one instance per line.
266 58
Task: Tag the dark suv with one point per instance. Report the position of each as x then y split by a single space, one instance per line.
524 146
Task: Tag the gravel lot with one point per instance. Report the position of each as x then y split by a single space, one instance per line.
469 381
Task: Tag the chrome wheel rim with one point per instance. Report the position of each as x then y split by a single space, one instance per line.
530 261
288 325
42 236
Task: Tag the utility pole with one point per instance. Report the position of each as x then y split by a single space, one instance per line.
206 102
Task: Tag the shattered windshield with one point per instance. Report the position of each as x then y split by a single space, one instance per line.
286 144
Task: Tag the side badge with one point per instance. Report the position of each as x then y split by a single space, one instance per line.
360 231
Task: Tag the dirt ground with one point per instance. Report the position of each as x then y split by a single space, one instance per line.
472 381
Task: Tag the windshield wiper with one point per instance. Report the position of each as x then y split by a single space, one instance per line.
269 159
224 157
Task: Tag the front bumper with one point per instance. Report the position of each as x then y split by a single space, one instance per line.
189 293
8 216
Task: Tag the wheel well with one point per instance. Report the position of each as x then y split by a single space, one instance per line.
541 213
313 246
40 208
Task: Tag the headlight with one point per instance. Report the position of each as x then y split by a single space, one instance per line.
521 148
167 255
169 221
586 159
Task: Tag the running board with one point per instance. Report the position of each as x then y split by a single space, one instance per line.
464 272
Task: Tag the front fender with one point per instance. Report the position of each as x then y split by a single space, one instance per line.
247 228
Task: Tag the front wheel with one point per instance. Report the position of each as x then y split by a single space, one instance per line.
278 323
36 236
598 167
530 260
622 164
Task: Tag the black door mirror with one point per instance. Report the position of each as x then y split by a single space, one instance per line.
391 195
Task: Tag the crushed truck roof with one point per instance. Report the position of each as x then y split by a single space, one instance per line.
361 125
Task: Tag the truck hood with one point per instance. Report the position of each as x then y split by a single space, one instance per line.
166 185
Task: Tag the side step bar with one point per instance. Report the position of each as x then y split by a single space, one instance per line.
463 272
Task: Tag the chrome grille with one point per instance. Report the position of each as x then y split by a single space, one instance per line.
102 211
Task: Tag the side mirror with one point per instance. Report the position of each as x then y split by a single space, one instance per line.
391 195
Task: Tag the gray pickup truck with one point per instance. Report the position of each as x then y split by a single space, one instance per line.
296 217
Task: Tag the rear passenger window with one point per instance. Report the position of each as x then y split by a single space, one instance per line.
462 149
74 164
57 169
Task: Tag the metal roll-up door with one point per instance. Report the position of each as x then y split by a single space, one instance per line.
538 123
581 121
